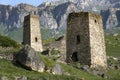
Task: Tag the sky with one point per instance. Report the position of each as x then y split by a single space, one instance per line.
15 2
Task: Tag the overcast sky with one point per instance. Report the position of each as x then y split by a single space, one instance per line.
15 2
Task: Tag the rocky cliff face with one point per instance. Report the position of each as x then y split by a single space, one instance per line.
111 18
59 10
13 17
53 14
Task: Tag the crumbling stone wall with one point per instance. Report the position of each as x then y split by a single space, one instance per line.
85 39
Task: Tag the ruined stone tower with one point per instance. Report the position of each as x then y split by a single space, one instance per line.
85 39
31 32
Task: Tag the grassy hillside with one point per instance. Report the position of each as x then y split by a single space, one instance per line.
8 42
16 34
113 45
3 29
10 70
112 42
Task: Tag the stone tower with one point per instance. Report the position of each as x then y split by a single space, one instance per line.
85 39
31 32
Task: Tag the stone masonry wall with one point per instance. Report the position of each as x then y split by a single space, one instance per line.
32 35
85 39
97 44
26 30
36 42
78 38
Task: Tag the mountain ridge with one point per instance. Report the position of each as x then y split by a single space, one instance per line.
53 14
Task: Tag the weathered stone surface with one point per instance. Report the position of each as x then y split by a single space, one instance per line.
4 78
85 39
86 68
95 71
5 53
99 72
57 70
31 32
59 46
6 56
29 58
20 78
113 62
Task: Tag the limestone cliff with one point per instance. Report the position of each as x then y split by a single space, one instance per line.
53 14
13 17
111 18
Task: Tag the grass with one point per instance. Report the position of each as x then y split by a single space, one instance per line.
113 45
46 34
80 74
16 34
114 74
49 62
10 70
8 50
47 41
69 69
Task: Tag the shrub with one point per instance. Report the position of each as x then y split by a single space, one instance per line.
7 42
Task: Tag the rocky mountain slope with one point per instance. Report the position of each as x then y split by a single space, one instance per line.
53 14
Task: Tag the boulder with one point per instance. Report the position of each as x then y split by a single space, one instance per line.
57 70
29 59
113 63
95 71
86 68
100 72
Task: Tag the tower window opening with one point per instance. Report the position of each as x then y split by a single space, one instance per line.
95 21
78 39
36 40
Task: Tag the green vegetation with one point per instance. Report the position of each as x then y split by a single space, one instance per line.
16 34
114 74
9 70
7 42
75 73
3 29
47 41
46 34
8 50
50 63
113 45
